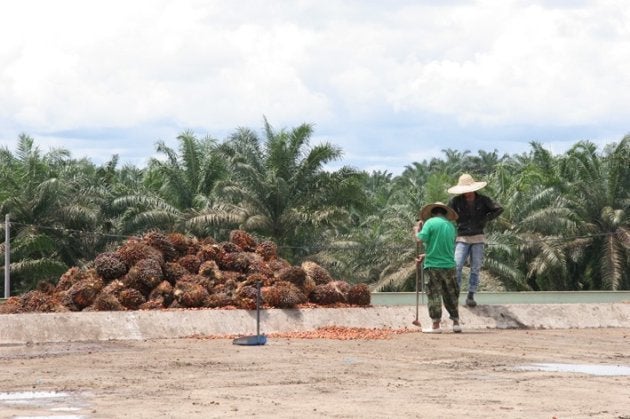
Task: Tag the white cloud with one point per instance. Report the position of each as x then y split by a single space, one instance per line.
542 66
356 69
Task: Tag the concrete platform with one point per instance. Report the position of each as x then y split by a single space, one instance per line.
138 325
513 297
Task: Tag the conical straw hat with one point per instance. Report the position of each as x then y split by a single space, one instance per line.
465 184
425 212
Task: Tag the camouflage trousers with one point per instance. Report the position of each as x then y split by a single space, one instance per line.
442 286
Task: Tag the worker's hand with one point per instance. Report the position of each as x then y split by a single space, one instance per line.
420 258
418 227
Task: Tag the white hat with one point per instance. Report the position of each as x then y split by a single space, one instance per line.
466 184
425 212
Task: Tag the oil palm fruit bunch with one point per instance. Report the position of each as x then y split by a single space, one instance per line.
177 271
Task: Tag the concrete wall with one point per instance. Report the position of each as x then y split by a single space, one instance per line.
156 324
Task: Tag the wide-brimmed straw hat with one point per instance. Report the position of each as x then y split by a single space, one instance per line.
425 212
466 183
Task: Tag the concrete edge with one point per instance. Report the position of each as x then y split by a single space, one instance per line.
157 324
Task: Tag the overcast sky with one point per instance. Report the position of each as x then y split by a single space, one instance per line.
390 82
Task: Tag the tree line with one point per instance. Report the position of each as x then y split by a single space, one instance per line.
566 224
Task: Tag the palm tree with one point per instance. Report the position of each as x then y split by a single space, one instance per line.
455 164
174 189
600 201
566 222
51 208
194 172
408 188
526 247
280 191
371 248
484 163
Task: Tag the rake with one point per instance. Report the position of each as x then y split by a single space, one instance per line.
257 339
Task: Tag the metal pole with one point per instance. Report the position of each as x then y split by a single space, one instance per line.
417 297
416 322
258 283
7 261
422 283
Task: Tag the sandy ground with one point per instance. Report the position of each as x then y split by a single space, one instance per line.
476 374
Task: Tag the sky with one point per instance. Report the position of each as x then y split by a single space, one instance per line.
389 82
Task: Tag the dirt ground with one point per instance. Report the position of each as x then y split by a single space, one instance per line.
475 374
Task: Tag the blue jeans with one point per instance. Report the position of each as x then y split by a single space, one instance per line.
475 251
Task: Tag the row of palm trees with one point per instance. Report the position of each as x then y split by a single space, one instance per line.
566 224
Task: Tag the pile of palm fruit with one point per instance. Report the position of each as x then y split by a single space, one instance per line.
160 271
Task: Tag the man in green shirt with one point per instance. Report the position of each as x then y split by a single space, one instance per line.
437 231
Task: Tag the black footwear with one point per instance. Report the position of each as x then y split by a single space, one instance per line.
470 300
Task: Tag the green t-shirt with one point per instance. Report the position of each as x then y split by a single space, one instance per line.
438 235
